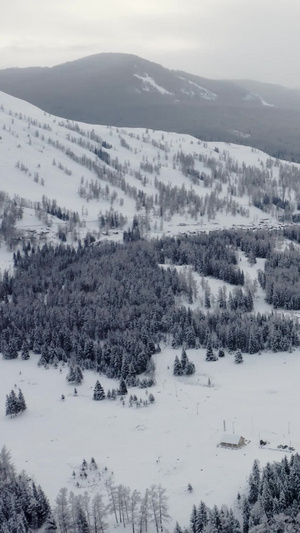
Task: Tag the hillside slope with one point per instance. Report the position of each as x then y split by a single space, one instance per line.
73 177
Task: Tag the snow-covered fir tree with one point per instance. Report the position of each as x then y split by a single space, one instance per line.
75 375
210 356
177 367
238 357
15 404
99 393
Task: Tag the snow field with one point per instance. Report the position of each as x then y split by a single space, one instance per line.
172 442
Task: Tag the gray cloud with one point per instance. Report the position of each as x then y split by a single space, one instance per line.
256 39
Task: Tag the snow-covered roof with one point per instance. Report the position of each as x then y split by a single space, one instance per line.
231 438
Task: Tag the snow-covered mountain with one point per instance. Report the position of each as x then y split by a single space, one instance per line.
71 178
128 91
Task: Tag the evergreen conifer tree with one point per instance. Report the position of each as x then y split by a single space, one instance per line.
184 359
11 404
21 402
25 351
15 404
99 393
210 353
190 368
193 520
238 358
131 376
75 375
177 368
122 388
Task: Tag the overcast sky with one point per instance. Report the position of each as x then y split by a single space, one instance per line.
254 39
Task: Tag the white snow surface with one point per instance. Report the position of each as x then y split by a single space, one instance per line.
254 96
172 442
149 84
198 90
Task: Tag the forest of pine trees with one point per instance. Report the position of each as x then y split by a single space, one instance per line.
108 307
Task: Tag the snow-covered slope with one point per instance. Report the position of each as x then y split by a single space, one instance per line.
174 183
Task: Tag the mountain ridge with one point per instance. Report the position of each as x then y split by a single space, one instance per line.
127 91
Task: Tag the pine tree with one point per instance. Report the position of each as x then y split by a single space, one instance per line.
10 350
209 353
75 375
11 404
122 388
177 368
202 517
131 376
151 398
70 377
238 358
253 345
184 359
25 351
193 520
99 393
190 368
254 483
124 368
21 402
246 515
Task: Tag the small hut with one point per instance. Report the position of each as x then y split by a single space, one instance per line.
232 441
